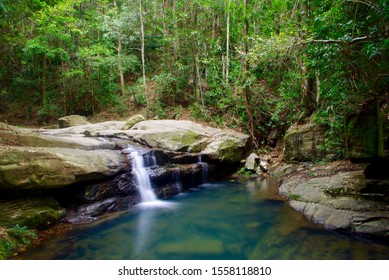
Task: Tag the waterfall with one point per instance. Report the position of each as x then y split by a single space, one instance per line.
177 180
150 160
141 176
204 169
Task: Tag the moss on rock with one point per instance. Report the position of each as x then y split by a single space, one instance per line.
305 143
35 213
133 121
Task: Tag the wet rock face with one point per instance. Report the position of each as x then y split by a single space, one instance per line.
121 185
89 212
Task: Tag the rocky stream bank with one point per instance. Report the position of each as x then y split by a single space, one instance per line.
79 173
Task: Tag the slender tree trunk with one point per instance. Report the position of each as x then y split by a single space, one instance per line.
227 43
317 87
164 5
308 88
176 44
43 77
223 67
214 25
64 95
308 82
197 78
246 88
119 52
143 50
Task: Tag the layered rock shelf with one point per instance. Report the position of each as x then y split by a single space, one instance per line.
336 195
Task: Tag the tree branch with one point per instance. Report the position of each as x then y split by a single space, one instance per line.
355 40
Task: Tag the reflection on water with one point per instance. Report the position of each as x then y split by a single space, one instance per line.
145 221
229 220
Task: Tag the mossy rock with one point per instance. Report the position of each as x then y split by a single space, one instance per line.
35 213
305 143
46 168
133 121
72 120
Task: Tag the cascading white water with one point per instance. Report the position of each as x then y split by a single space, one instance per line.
150 160
204 169
142 178
177 180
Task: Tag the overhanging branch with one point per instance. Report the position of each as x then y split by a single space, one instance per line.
355 40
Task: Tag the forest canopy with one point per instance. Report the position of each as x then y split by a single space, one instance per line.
258 66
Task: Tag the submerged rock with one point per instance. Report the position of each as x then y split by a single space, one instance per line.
192 246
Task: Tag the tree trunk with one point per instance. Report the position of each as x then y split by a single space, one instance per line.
308 89
143 51
246 88
43 78
176 44
227 42
197 78
119 52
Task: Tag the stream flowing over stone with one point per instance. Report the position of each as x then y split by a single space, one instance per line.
141 176
90 172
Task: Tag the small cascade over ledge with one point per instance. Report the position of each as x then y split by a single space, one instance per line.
204 168
141 176
154 176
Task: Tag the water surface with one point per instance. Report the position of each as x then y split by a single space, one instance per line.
226 220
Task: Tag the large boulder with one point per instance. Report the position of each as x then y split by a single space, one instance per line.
72 120
42 168
304 143
55 158
169 134
182 136
187 136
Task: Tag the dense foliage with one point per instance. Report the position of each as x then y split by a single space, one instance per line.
256 65
14 238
